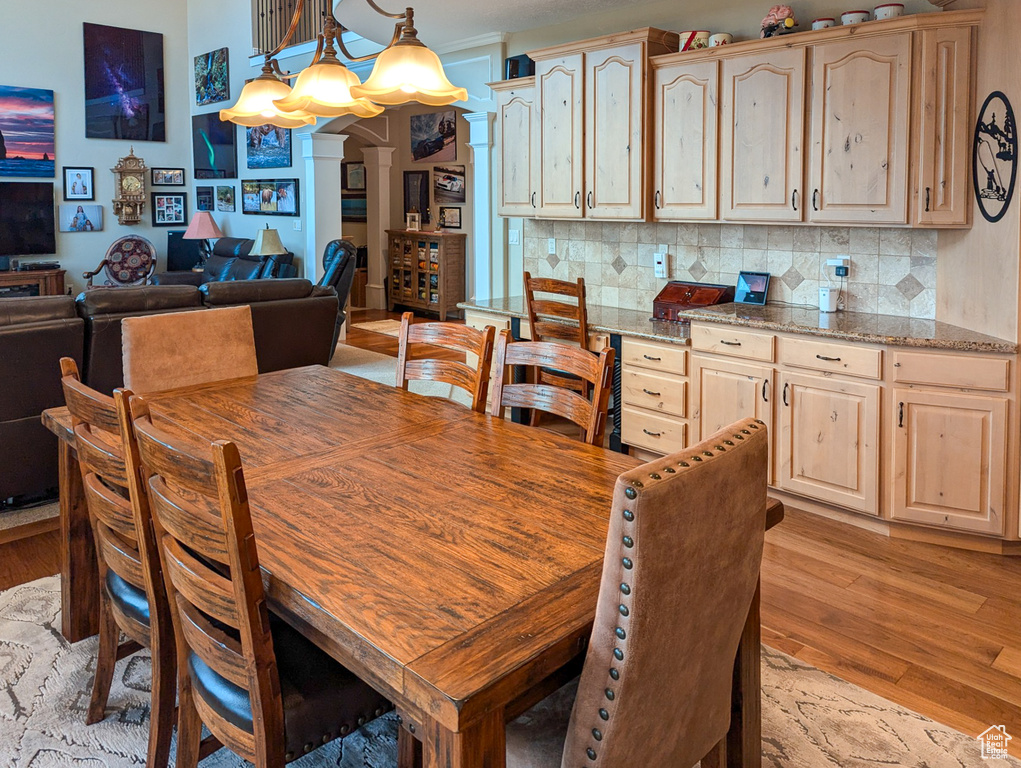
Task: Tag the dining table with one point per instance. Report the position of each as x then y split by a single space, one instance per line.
450 559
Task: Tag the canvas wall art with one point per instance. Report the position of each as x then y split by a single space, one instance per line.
26 131
271 197
124 94
214 146
448 183
268 147
79 218
225 199
212 78
433 137
354 207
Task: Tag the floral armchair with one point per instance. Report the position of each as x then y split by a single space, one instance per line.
131 260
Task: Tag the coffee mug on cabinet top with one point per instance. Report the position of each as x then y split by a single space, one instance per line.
824 23
888 11
695 38
720 38
854 17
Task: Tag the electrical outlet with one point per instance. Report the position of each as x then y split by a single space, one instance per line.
659 262
841 262
513 237
552 247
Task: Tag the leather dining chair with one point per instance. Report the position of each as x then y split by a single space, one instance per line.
132 598
595 371
183 349
453 336
261 688
680 569
540 310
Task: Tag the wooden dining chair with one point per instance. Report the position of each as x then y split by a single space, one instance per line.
680 570
184 349
595 371
132 598
453 336
261 688
543 328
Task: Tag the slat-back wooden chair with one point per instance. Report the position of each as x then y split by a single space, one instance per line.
133 599
259 686
595 371
460 338
544 329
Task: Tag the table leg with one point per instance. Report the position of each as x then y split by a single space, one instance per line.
79 572
744 740
483 745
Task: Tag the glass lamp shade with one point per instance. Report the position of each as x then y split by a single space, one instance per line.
406 72
255 105
267 243
324 90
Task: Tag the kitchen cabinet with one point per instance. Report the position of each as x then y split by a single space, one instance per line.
559 90
762 127
654 395
685 140
515 147
861 110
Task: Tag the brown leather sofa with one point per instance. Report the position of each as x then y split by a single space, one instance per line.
231 260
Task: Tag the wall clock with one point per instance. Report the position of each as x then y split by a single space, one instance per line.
129 183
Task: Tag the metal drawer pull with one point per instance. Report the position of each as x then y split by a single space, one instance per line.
652 434
731 343
654 359
927 190
794 203
656 199
764 383
533 199
785 385
577 200
900 415
815 200
653 394
829 359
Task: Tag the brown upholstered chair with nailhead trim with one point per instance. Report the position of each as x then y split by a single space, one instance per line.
682 561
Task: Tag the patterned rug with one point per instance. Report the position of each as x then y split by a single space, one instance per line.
810 719
386 327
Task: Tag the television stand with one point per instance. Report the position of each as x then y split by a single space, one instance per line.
37 282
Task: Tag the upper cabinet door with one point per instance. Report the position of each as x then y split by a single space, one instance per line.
861 114
614 124
762 133
944 140
516 116
685 142
559 86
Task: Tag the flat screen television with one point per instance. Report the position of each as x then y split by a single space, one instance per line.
26 218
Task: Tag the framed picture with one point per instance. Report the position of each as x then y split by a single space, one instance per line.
267 146
169 209
450 218
124 93
78 184
212 80
416 193
26 124
270 197
225 199
432 137
354 208
352 176
448 183
203 198
412 222
214 147
80 218
168 177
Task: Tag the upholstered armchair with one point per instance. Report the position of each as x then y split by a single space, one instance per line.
339 259
131 260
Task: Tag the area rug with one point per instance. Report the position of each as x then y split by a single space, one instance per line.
387 327
810 719
383 369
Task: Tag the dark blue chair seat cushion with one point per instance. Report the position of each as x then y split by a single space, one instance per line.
132 601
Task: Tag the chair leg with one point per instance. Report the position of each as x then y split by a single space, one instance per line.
717 757
164 695
409 750
106 658
189 727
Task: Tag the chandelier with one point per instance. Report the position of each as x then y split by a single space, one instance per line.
404 71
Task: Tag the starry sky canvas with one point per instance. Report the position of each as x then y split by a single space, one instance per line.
26 132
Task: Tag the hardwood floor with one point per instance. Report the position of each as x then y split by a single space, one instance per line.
933 629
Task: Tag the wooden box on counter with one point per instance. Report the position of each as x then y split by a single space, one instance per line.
426 270
678 296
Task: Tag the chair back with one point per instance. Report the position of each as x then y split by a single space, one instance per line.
184 349
591 369
211 564
339 258
681 568
545 329
473 379
131 260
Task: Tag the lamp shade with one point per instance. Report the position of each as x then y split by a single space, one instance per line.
267 243
202 227
324 90
406 72
255 105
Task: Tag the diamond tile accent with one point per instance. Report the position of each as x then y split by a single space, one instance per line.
910 287
618 264
553 260
698 270
792 278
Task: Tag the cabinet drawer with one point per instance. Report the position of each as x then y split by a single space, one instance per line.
666 394
668 358
964 371
724 340
847 359
655 433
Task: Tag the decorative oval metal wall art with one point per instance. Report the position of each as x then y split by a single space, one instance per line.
994 166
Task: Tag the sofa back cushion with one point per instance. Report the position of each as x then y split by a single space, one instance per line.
149 298
35 309
247 291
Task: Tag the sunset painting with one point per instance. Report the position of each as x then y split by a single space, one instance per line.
26 131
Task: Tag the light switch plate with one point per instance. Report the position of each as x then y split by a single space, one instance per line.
552 247
513 237
660 263
297 225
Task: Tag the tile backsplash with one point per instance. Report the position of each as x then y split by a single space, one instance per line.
893 271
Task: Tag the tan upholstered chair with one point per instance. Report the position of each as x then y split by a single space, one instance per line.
473 379
183 349
132 598
594 371
682 562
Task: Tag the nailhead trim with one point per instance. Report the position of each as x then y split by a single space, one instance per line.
629 515
623 610
591 753
627 563
604 714
619 631
597 734
631 493
628 542
609 694
625 588
615 674
618 654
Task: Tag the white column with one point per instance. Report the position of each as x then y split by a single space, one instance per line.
378 161
323 153
481 268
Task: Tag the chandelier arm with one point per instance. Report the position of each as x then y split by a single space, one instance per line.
381 12
295 18
347 54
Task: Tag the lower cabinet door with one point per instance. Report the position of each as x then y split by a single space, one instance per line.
828 443
949 460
